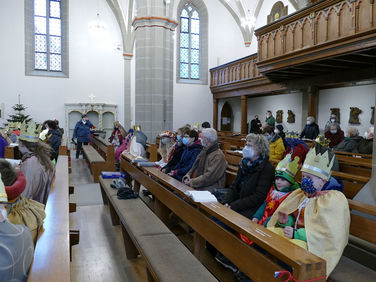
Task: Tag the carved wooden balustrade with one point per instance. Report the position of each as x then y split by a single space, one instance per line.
239 70
326 29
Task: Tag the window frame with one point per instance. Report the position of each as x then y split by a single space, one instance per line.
199 6
30 51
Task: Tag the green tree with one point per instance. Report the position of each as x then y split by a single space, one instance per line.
19 115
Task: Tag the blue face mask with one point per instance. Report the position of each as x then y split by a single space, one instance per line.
203 143
269 137
307 186
164 141
178 137
186 141
248 152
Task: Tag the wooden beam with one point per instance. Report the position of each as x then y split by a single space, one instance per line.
244 114
313 101
215 114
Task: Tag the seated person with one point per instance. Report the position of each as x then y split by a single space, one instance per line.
209 170
365 145
314 219
205 124
275 142
166 147
311 129
254 178
178 150
4 142
138 144
117 135
53 138
21 210
295 146
125 145
36 164
16 248
192 147
334 134
350 143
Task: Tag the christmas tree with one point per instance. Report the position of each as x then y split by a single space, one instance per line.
19 116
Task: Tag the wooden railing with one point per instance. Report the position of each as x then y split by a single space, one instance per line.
239 70
325 23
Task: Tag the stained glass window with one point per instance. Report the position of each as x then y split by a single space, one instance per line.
47 35
189 43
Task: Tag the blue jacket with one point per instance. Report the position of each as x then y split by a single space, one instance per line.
333 184
82 131
3 144
54 140
187 159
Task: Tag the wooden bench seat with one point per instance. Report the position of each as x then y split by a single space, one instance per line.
144 233
349 270
100 156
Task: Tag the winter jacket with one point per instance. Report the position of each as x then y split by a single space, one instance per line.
270 121
335 139
3 144
176 156
348 144
54 140
365 146
82 131
255 126
276 148
333 183
310 131
249 191
187 159
212 163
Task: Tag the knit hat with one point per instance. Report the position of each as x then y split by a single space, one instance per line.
318 164
167 134
287 168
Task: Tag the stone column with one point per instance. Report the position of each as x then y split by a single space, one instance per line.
154 68
127 90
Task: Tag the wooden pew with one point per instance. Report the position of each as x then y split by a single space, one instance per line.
100 156
12 152
353 165
169 196
356 155
52 252
152 151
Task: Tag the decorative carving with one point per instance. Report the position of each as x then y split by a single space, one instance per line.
335 111
354 115
279 116
373 115
278 11
291 117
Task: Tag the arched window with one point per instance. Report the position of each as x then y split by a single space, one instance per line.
46 37
192 42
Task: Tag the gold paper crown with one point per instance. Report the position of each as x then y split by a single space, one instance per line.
137 127
288 167
292 134
3 194
29 132
318 164
322 141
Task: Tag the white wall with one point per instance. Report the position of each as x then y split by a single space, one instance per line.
194 103
95 66
259 106
362 97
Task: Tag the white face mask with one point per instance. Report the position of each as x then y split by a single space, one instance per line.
332 119
276 131
333 131
308 122
248 153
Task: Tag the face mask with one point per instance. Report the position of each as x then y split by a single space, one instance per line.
83 121
178 137
203 143
164 141
186 141
308 122
333 120
248 153
333 131
269 137
276 131
307 186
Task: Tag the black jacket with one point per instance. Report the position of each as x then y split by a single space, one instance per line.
255 126
310 131
54 140
349 145
252 193
176 156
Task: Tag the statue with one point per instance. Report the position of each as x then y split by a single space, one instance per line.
373 114
279 116
291 117
354 115
335 111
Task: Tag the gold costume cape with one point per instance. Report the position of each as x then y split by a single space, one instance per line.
326 220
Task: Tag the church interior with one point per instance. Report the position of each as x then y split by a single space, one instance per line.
138 75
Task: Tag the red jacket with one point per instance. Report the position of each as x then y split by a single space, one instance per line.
335 139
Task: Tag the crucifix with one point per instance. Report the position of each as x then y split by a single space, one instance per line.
92 97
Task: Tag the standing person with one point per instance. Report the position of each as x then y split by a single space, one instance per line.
36 164
255 125
82 133
270 120
311 129
335 134
117 136
16 248
53 138
332 119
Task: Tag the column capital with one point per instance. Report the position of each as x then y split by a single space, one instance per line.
127 56
142 22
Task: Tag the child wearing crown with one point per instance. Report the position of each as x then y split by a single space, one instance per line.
283 185
312 218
